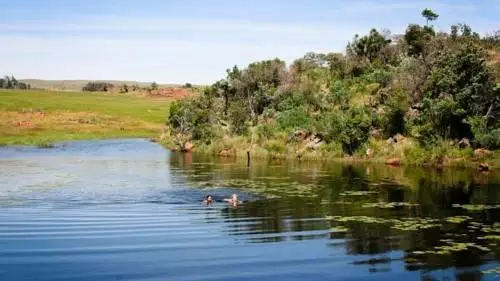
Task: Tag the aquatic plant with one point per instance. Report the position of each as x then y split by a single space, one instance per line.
457 219
339 229
357 193
411 224
495 270
476 208
388 205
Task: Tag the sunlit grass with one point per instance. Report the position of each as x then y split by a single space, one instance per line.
41 118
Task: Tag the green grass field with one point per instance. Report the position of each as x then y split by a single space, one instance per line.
76 115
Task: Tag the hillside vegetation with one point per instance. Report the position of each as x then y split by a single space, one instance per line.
43 117
77 85
423 97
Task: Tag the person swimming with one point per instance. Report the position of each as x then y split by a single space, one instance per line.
208 200
233 200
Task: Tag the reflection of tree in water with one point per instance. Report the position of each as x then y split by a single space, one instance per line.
432 194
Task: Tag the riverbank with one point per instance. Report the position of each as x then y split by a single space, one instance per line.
404 151
43 117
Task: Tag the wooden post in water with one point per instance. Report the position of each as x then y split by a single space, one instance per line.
248 158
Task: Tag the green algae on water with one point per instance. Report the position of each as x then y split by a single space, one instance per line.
388 205
357 193
476 208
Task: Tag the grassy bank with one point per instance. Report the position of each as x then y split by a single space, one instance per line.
405 152
43 117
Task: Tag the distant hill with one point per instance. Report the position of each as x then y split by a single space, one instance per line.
76 85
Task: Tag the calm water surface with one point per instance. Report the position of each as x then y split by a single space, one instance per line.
129 210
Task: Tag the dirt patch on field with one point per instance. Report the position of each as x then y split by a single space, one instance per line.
18 123
169 93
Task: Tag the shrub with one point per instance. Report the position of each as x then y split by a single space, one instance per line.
275 146
239 119
349 127
484 136
293 119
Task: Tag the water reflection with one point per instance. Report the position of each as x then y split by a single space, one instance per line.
128 210
331 190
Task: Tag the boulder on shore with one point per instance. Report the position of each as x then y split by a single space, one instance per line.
369 152
393 161
481 153
188 146
484 167
464 143
225 153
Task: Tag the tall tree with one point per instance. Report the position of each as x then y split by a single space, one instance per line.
429 15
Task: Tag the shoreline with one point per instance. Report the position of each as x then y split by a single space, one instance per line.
260 153
488 162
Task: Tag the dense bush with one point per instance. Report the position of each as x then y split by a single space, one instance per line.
349 127
12 83
97 87
423 84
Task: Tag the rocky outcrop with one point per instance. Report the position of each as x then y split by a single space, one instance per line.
313 142
464 143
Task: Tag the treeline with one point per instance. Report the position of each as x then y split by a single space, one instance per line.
427 85
125 88
10 82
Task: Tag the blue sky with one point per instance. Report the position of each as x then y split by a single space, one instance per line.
196 41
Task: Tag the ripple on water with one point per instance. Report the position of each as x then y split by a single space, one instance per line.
128 210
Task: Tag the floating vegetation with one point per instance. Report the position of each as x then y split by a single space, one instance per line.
476 208
363 219
339 229
406 224
412 224
343 202
491 237
452 247
280 189
495 228
458 219
272 178
492 271
357 193
388 205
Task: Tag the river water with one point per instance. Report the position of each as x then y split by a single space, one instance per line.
130 210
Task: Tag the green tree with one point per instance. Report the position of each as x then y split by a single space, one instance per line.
368 46
459 86
349 127
417 38
429 15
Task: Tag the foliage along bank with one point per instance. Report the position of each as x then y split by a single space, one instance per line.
420 97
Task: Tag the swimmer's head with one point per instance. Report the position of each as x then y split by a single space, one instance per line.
209 198
235 197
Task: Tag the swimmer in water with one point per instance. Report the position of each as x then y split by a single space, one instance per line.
208 200
233 200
